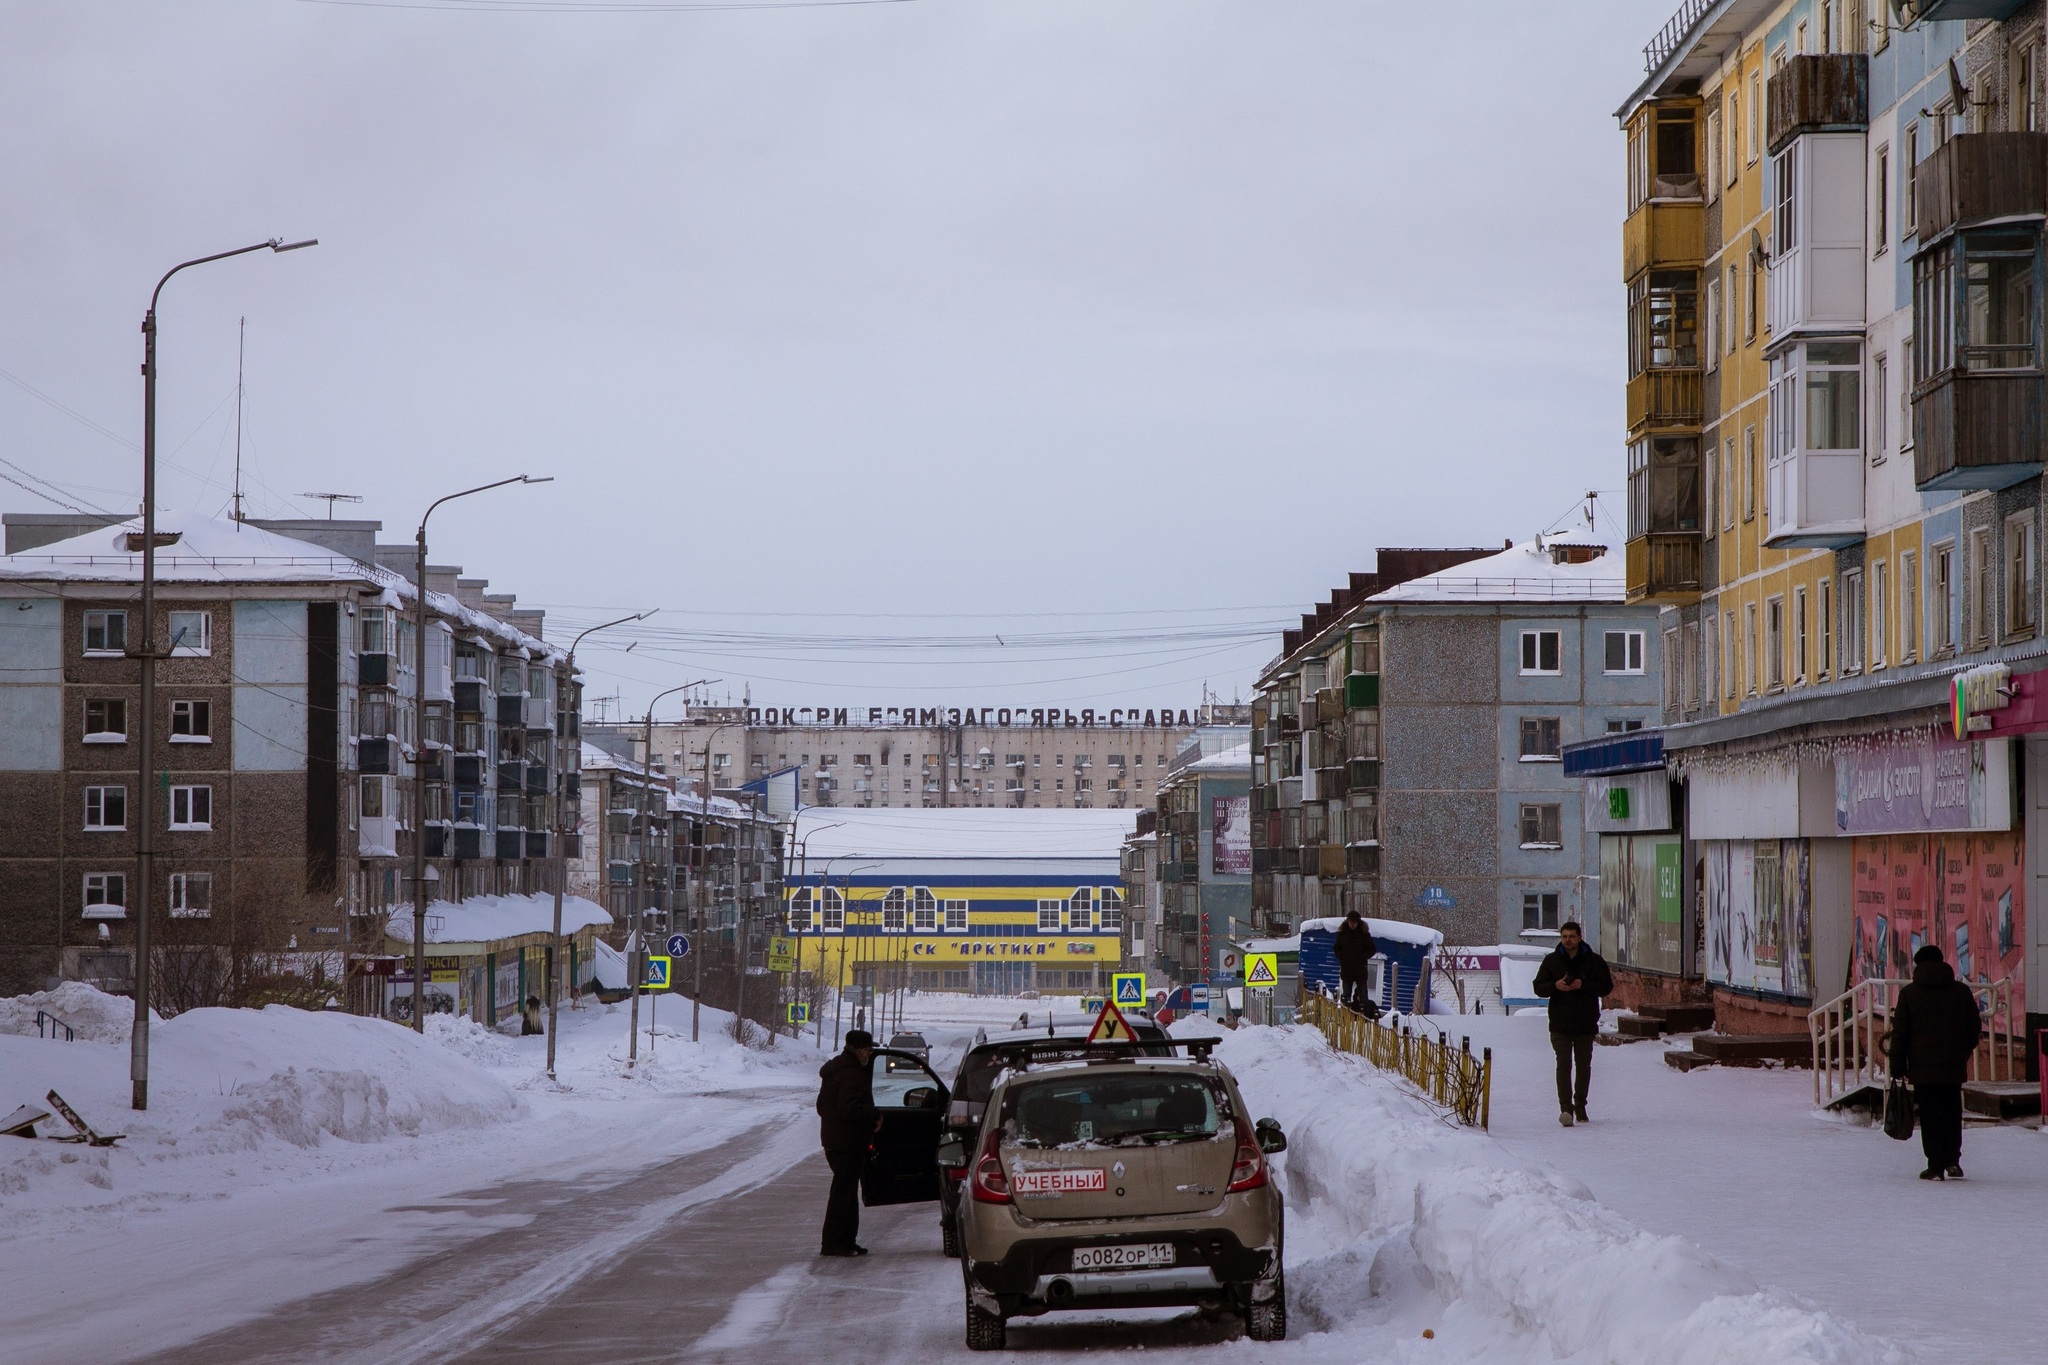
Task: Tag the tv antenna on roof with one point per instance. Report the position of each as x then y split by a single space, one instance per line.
332 498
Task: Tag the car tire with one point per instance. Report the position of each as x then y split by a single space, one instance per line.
985 1330
949 1238
1268 1321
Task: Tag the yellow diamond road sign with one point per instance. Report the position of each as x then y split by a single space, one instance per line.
1128 988
1261 971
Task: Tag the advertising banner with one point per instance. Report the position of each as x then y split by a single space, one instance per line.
1641 902
1758 904
1960 891
1231 824
1920 783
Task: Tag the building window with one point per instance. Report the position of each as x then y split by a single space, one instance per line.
191 895
191 633
1909 606
1880 218
834 902
1880 409
1623 651
924 911
1539 912
1980 587
1622 727
2020 563
1049 913
1756 116
1693 673
1542 651
1540 738
1909 165
1542 826
373 630
956 917
1729 312
1749 473
1799 635
1112 917
1942 623
191 722
1833 402
894 911
106 721
1852 621
1731 665
800 910
1749 648
1081 911
1824 614
1774 641
374 804
106 808
1880 614
1664 321
106 632
1674 668
106 895
2025 115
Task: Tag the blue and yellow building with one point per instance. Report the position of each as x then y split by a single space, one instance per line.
989 901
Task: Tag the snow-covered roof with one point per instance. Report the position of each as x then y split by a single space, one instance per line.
722 807
1233 761
961 832
1536 570
486 919
596 757
213 550
1394 930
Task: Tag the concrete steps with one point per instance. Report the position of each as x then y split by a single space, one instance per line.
1652 1021
1743 1049
2001 1099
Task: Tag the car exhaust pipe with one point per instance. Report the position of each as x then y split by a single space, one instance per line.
1059 1292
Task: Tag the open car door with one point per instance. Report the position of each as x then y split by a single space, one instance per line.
903 1164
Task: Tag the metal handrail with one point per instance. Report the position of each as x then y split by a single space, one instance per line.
1852 1037
45 1017
1674 33
1450 1078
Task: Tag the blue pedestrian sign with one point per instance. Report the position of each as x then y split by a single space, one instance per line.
657 972
799 1013
678 945
1128 988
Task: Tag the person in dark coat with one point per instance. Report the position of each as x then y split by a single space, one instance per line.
1935 1028
1354 949
1572 978
847 1123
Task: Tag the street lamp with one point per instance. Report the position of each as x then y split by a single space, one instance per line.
565 679
845 899
419 750
145 840
646 885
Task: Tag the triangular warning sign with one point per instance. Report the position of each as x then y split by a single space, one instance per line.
1259 970
1110 1026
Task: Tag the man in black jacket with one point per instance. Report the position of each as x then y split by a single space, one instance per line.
847 1122
1935 1028
1573 978
1354 948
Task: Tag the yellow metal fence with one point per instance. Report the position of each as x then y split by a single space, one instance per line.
1451 1078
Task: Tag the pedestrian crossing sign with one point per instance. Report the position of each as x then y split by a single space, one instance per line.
1128 989
799 1013
1261 971
657 972
1110 1026
1091 1004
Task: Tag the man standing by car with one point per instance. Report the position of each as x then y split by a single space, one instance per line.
1573 978
847 1122
1935 1028
1354 949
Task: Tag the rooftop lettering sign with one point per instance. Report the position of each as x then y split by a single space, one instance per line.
932 717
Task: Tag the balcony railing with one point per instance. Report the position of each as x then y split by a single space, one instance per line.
1664 568
1664 398
1978 177
1818 93
1664 234
1977 430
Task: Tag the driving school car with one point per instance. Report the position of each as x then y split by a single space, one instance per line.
1120 1180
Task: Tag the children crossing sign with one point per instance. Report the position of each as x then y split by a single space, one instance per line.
781 955
657 972
1261 971
1128 989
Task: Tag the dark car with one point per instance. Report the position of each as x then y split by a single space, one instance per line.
988 1059
914 1043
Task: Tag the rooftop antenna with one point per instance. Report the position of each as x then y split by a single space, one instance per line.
1592 498
241 338
332 498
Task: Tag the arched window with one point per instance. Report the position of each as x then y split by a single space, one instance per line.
1112 918
892 911
1081 911
834 910
924 911
800 910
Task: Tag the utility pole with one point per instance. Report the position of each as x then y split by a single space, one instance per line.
639 965
147 654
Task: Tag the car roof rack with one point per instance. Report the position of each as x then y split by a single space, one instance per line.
1022 1050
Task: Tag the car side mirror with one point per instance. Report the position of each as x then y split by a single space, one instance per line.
952 1152
1269 1136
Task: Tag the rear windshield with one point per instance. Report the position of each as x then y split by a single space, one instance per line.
1110 1109
977 1079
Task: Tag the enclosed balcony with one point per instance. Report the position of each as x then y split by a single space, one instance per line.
1664 385
1817 265
1817 93
1816 446
1977 178
1977 391
1663 556
1935 11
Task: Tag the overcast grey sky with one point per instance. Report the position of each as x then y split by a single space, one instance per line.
1097 318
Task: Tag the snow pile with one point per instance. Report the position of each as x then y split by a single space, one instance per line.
94 1016
486 919
1400 1221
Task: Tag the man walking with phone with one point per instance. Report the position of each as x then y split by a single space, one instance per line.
1573 978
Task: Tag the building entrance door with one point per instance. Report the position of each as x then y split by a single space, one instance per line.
1002 978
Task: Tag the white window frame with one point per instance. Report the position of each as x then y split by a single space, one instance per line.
1941 570
189 797
104 651
201 650
2022 575
107 886
188 709
187 887
96 800
1633 652
1531 656
956 917
1109 915
1051 913
104 735
833 912
1081 911
1880 580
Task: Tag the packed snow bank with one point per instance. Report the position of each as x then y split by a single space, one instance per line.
1401 1221
93 1015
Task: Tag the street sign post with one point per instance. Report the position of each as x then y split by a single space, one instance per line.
1128 990
799 1013
658 971
1261 971
781 955
678 945
1198 997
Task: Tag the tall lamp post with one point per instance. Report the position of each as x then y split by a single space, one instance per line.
565 679
145 836
704 904
419 749
637 964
